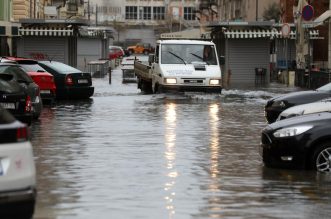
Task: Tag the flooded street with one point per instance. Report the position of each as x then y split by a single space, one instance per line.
126 155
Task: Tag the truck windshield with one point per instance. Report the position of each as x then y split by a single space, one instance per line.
188 53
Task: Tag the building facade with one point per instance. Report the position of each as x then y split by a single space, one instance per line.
244 10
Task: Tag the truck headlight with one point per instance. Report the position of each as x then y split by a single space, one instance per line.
291 131
170 80
214 82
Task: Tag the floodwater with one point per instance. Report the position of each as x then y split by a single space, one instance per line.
128 155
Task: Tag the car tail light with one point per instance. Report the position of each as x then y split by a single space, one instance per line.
28 104
68 80
21 134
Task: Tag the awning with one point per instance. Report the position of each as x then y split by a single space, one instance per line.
319 21
186 34
56 32
253 34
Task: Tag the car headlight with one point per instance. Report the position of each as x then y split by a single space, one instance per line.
214 82
170 80
291 131
279 104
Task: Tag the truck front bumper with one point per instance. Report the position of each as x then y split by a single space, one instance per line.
185 88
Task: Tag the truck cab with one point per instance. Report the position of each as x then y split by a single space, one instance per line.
185 65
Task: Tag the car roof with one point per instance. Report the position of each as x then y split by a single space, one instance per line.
9 64
20 60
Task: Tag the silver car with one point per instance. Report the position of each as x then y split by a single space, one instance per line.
17 169
308 108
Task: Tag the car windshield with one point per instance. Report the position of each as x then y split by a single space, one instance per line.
61 67
32 68
326 87
17 72
188 54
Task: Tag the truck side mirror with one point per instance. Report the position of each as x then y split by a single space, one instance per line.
222 60
151 58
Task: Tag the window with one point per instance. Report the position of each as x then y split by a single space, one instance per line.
145 13
189 13
131 12
158 13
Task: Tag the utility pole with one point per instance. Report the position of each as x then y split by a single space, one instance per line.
257 9
96 15
88 11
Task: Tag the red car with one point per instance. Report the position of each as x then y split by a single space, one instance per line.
40 76
115 52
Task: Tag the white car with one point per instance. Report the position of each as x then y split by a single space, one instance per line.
315 107
17 169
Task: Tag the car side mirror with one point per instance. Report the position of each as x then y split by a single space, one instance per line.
151 58
222 60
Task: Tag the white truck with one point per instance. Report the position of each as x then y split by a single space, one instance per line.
180 65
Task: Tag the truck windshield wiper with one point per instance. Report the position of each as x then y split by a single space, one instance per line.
177 56
196 56
199 57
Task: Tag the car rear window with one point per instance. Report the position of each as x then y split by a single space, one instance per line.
61 67
6 87
32 67
17 72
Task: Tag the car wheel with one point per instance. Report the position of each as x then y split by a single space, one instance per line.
130 52
321 160
145 52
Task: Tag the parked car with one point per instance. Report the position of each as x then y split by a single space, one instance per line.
115 52
140 48
302 142
71 83
308 108
26 82
40 76
17 169
15 99
278 104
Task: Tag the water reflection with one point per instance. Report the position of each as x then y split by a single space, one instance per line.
170 155
214 141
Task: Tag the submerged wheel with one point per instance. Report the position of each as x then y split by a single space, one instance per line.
146 87
321 160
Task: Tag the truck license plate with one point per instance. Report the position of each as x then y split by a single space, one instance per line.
8 105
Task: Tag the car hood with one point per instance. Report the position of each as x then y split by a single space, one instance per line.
315 107
301 120
302 97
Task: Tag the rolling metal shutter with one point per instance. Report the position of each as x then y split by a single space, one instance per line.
44 48
244 55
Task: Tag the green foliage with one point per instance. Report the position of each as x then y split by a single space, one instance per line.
272 12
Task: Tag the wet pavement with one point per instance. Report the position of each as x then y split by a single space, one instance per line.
126 155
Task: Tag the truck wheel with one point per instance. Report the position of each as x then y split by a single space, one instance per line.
321 160
157 89
139 84
146 87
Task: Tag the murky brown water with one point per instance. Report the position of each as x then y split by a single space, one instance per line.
125 155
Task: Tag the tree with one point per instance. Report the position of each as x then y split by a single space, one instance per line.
272 12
